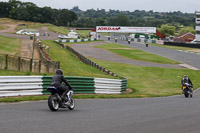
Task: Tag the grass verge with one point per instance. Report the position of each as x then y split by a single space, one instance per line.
152 81
9 45
136 54
144 81
17 73
70 64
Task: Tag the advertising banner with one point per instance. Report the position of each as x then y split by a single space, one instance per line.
120 29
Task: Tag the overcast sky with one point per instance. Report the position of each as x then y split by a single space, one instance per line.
189 6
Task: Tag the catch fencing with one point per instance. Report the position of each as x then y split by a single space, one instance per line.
36 85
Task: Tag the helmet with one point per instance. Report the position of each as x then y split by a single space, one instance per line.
185 75
59 72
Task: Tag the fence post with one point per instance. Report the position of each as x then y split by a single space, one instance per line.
39 66
47 66
19 63
31 63
6 67
58 64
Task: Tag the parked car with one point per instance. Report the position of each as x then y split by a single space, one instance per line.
19 32
195 41
63 37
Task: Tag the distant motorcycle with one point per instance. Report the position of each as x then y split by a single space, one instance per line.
55 101
187 89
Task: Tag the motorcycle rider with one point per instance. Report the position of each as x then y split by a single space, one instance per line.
186 79
57 82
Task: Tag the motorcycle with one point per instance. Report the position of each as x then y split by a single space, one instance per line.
55 101
187 90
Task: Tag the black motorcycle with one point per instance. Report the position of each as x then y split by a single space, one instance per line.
55 101
187 89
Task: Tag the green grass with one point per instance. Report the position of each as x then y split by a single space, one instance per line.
143 81
17 73
70 64
51 27
152 81
84 33
105 34
3 27
23 98
136 54
9 45
35 25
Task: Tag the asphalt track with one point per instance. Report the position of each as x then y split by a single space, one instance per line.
192 59
174 114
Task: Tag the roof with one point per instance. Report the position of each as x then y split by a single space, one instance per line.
30 30
184 34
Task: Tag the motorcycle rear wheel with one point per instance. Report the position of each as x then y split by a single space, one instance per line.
72 105
53 103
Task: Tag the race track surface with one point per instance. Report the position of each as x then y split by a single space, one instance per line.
175 114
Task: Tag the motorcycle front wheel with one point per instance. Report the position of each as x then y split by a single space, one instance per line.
53 103
186 94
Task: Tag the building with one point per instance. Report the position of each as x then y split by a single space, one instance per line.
197 26
184 37
72 34
28 32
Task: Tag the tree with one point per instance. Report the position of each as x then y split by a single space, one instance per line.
167 30
187 29
122 20
4 9
100 22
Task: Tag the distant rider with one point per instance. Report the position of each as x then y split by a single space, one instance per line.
186 79
57 82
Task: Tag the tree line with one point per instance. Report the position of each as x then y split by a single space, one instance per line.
166 22
28 11
169 23
91 17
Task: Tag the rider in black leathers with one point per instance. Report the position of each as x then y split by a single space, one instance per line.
186 80
57 82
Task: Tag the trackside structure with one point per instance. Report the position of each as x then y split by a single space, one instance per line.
119 29
36 85
197 26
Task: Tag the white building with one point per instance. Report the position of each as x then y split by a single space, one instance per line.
197 25
72 34
28 32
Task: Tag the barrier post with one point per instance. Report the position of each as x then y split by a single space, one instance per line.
31 63
19 62
6 67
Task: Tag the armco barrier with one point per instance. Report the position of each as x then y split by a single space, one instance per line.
143 40
190 45
20 85
76 40
36 85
